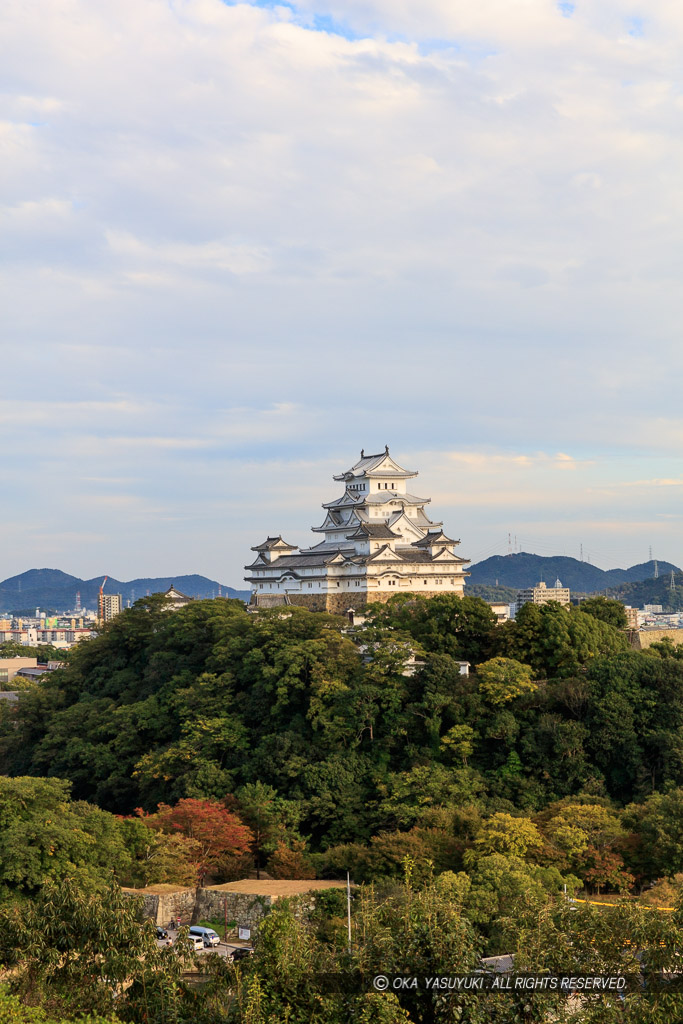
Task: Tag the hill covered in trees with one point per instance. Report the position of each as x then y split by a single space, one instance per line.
354 745
55 591
663 590
204 743
522 569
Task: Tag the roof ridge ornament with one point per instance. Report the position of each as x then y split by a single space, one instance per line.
386 449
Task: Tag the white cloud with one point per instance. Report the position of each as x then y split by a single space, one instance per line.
227 235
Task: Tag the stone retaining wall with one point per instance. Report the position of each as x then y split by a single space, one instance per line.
193 905
160 907
245 909
339 604
642 638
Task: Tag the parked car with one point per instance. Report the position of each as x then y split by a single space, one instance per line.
242 952
198 943
207 935
162 933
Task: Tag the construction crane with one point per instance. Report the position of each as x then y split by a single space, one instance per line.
100 600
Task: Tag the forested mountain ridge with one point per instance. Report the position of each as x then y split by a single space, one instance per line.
199 702
663 590
55 591
521 569
287 740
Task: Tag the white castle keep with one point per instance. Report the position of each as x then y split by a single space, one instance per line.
377 541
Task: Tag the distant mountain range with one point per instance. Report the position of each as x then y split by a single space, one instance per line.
522 570
496 578
52 590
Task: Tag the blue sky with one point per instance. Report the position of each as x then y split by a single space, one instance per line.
241 242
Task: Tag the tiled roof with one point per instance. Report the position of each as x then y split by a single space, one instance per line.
371 463
304 560
418 555
357 501
274 542
378 531
434 537
381 497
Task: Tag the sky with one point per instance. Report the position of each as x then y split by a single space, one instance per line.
241 241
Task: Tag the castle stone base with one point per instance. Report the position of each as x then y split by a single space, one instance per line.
339 604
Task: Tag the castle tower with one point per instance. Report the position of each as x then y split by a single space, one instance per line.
376 541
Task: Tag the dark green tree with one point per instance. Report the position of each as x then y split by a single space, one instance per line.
605 609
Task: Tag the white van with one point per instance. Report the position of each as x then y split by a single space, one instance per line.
198 943
207 935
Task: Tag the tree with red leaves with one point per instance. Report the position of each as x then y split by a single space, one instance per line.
218 831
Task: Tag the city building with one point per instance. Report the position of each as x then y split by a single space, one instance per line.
10 667
110 605
543 594
631 617
503 612
376 540
34 673
32 636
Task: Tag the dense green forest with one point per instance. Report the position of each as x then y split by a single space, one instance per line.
652 591
353 736
207 743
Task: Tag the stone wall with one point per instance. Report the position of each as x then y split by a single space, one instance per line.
213 903
643 638
191 905
314 602
160 907
245 909
339 604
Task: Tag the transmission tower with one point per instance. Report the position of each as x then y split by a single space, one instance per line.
656 569
672 585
